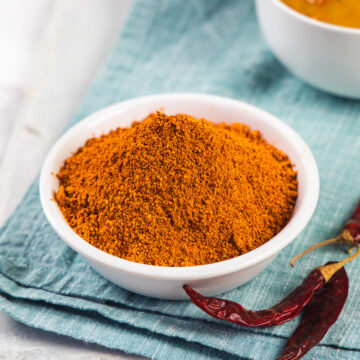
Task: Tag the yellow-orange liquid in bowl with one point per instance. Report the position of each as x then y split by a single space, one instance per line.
338 12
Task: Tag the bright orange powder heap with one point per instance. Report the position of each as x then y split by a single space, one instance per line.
177 191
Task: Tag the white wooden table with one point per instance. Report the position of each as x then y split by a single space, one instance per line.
50 52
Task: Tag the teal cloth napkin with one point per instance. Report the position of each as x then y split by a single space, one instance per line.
208 47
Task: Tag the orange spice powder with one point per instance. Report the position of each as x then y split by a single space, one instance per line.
177 191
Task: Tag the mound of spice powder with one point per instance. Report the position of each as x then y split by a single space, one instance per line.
177 191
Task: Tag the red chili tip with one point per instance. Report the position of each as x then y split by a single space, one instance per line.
190 291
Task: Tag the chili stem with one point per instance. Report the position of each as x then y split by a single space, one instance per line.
344 238
314 247
328 271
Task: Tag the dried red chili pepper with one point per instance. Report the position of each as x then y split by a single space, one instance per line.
319 315
284 311
350 234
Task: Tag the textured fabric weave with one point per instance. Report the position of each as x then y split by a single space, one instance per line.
208 47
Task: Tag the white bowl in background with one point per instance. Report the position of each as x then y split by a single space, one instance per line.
324 55
167 282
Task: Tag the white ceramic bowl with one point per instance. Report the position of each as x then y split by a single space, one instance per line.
324 55
167 282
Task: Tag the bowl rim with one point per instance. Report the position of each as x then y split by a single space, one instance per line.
263 252
315 22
